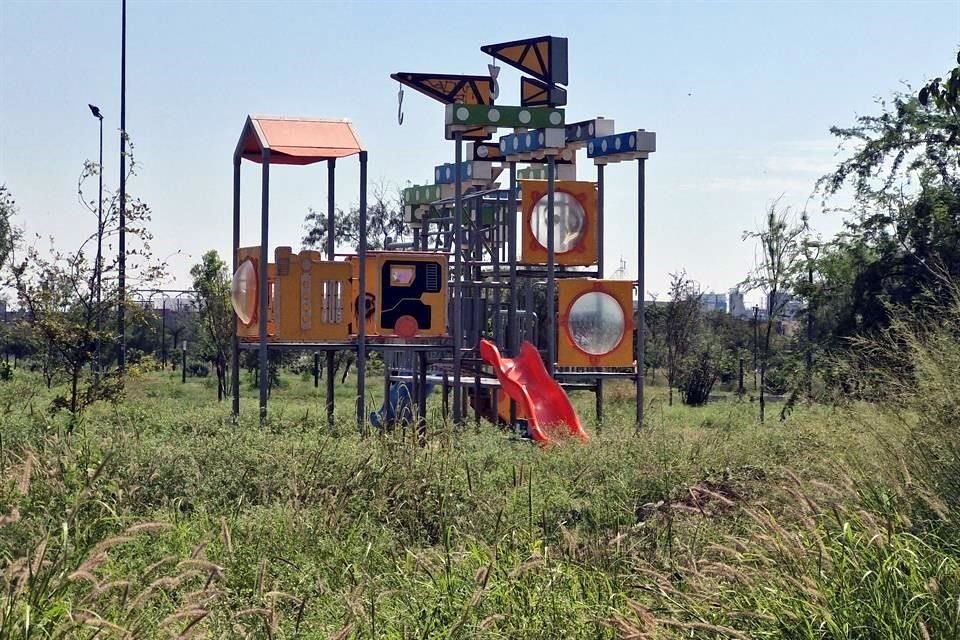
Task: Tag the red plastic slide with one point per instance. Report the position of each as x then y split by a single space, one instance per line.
539 397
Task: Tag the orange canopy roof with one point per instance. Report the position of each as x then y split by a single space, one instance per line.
297 140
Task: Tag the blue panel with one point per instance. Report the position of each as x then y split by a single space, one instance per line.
612 145
444 174
580 131
533 140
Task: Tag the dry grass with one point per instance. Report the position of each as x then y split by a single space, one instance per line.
161 518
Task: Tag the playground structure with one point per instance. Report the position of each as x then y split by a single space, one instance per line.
440 309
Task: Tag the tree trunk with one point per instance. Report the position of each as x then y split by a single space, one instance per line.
75 376
764 358
740 388
763 375
221 378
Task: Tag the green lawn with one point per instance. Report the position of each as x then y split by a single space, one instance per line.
706 524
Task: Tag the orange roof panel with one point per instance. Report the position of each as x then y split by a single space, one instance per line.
298 140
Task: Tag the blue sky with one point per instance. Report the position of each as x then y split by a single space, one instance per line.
741 96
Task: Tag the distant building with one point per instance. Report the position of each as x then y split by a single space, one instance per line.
647 304
713 302
793 309
736 306
754 313
785 306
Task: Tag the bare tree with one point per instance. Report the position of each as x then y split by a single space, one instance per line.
211 282
681 319
9 234
385 221
61 294
779 262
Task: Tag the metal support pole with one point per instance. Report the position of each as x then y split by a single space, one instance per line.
551 268
641 318
235 341
458 282
600 230
183 367
809 354
756 343
422 399
331 206
530 318
163 331
122 244
316 369
362 298
476 400
331 255
445 395
476 290
98 365
600 266
513 331
388 361
496 238
263 285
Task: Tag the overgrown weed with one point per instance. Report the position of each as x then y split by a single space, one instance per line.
691 528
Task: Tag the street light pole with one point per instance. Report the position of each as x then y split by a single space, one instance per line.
808 246
810 331
163 333
122 266
99 264
756 343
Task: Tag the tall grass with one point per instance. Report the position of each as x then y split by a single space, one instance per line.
874 554
160 517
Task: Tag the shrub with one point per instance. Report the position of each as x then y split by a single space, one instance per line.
837 567
876 556
698 374
198 370
922 390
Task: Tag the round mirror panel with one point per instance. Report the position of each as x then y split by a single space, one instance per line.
596 323
568 222
243 292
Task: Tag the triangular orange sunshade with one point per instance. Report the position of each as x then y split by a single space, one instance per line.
544 58
449 89
534 93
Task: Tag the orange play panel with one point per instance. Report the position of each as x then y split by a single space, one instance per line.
595 323
575 223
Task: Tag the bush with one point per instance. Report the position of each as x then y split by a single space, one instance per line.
698 374
776 381
922 390
198 370
850 567
872 556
